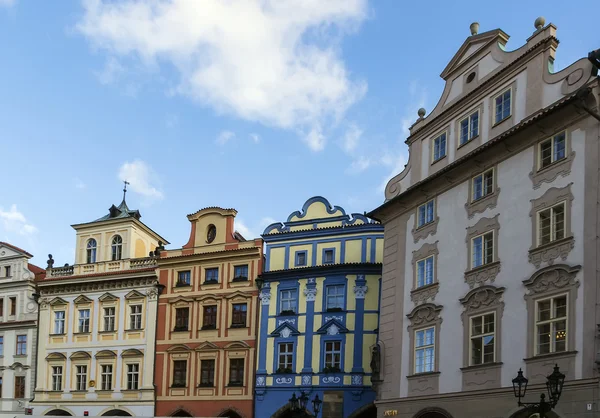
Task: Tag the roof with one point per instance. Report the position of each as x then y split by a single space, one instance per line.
108 273
223 211
119 212
35 269
15 248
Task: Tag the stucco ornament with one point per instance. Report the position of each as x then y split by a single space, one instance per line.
152 294
286 332
260 381
265 297
359 291
311 294
548 254
306 380
482 275
552 278
331 379
357 379
333 330
283 380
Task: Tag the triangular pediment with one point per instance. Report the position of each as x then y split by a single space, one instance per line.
470 48
7 250
58 302
108 297
207 346
82 299
134 294
332 327
285 330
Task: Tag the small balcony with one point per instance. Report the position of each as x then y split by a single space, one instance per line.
103 267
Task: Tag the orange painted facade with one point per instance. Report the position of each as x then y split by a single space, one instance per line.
207 320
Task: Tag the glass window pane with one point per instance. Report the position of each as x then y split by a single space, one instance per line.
475 124
543 337
429 336
477 244
544 309
476 325
545 226
559 147
546 153
464 131
476 351
560 335
477 187
559 221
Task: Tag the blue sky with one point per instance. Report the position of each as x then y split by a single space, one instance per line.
256 105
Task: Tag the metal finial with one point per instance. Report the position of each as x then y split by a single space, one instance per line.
474 28
125 188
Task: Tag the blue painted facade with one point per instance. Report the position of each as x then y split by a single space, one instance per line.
319 310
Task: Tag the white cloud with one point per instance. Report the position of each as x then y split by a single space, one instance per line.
315 139
255 138
359 165
224 137
269 61
243 229
254 231
79 184
111 72
7 3
417 99
14 221
140 177
351 138
396 164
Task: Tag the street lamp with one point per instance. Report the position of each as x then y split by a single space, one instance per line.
259 283
554 384
317 405
298 405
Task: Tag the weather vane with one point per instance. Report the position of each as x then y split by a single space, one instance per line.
125 188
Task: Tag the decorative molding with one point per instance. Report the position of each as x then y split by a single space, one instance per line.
559 168
425 293
482 226
482 298
427 229
551 251
424 314
328 318
360 291
152 294
89 287
481 205
550 278
306 380
480 275
265 297
283 380
310 293
331 379
357 379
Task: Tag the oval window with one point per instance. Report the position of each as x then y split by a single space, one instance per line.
471 77
211 233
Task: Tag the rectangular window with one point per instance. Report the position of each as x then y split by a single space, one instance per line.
59 322
333 355
133 376
1 307
328 257
469 127
207 373
552 150
301 258
135 317
212 275
57 378
502 106
236 372
551 325
84 320
182 318
425 214
439 147
288 300
7 271
483 339
13 306
209 317
425 271
1 345
335 297
286 355
109 319
482 249
81 378
240 272
106 377
483 185
425 350
179 373
551 224
184 278
19 387
21 345
239 315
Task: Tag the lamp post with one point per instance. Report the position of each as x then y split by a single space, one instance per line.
554 385
298 405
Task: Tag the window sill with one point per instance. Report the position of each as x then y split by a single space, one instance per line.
438 160
551 251
501 121
239 279
130 390
467 142
180 329
20 355
424 293
134 329
422 375
425 225
210 282
208 328
235 385
82 333
183 285
62 334
238 326
335 310
108 331
482 366
206 385
482 274
480 205
178 387
287 313
542 170
541 357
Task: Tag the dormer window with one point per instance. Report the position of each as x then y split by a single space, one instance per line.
91 251
117 248
502 106
469 127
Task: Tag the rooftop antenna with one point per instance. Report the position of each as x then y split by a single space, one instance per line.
125 188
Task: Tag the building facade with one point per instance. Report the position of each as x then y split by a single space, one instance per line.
206 341
97 323
491 230
319 311
18 323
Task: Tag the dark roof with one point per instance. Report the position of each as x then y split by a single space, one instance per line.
367 268
15 248
324 228
119 212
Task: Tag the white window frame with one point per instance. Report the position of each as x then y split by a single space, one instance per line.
510 90
552 223
483 249
133 376
57 378
135 318
285 355
333 352
106 377
59 323
482 176
81 371
552 140
84 321
91 251
470 136
291 300
425 221
332 253
434 147
21 347
110 317
116 248
424 263
423 348
481 336
335 296
551 322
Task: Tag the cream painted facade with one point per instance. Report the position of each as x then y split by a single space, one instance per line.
18 319
491 237
97 327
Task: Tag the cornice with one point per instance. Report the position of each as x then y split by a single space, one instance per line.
105 285
320 271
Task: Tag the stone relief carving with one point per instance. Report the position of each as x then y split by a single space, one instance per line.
311 294
547 254
551 173
480 275
552 277
286 332
265 297
260 381
425 230
481 205
482 297
306 380
424 294
333 330
360 291
423 314
84 288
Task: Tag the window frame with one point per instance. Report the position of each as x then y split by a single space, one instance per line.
481 336
106 316
177 381
22 387
210 372
292 300
482 175
59 329
237 369
298 255
214 315
243 313
343 295
208 280
21 345
433 146
470 137
424 347
13 306
134 316
433 213
433 270
91 251
57 378
551 321
133 376
1 345
331 365
186 274
483 249
288 355
83 322
116 247
325 252
104 374
552 140
551 208
242 277
81 377
182 321
511 110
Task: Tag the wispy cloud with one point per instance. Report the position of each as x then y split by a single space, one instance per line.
14 221
251 59
224 137
141 178
255 138
359 165
7 3
111 72
79 184
351 138
395 164
254 231
171 121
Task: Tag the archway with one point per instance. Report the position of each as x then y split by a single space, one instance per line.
230 414
433 413
116 413
367 411
58 413
528 413
181 413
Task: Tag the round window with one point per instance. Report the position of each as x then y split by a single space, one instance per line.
471 77
211 233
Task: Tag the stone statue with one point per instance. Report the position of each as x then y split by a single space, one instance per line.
50 261
375 362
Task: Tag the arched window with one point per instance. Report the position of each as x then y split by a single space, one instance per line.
117 248
91 251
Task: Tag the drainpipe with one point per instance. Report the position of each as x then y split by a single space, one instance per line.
159 288
36 298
